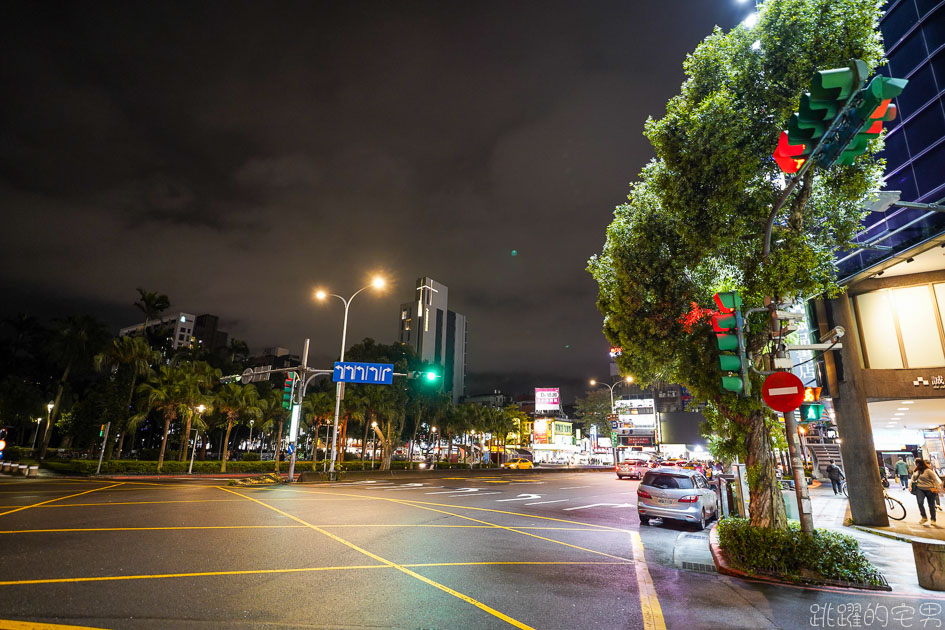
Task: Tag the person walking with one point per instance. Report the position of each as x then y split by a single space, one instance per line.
902 471
925 485
835 475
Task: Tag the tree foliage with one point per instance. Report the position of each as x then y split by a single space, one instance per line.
694 222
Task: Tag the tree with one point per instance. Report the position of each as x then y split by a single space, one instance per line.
593 409
273 414
151 304
196 391
695 221
135 357
237 402
74 341
167 391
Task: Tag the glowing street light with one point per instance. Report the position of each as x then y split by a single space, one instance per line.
627 380
377 283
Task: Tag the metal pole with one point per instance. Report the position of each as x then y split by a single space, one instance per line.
338 392
193 453
102 452
294 438
35 433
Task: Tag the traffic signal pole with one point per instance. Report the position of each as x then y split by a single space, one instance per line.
293 438
101 453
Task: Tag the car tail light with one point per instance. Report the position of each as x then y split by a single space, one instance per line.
692 498
643 494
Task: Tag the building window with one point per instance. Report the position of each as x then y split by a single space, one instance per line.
403 314
902 328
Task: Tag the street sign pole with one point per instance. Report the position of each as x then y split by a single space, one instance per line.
101 454
296 403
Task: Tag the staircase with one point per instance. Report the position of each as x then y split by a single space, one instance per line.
822 454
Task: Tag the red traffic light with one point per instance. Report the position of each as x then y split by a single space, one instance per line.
786 155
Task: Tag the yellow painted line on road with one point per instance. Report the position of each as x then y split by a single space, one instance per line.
145 529
649 602
109 503
13 624
518 563
162 576
401 568
26 507
518 531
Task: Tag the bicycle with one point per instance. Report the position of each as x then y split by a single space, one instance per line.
894 507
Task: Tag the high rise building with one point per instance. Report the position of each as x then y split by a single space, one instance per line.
437 334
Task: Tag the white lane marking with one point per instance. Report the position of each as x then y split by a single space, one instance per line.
456 490
542 502
412 486
521 497
573 487
459 496
616 505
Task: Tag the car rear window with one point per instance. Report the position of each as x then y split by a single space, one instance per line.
667 482
636 462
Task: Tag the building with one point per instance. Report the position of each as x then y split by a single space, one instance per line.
184 330
888 380
179 327
437 334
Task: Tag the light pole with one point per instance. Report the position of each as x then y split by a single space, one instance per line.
373 442
249 446
613 409
35 433
377 283
436 455
199 409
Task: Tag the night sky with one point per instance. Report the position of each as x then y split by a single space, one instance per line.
236 155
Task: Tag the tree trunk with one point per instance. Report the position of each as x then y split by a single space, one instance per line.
121 441
364 441
278 445
47 433
765 503
413 436
123 422
205 445
185 439
167 428
225 449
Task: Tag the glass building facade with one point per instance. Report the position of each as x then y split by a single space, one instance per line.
914 34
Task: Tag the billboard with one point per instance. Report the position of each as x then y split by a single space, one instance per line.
540 431
639 413
547 399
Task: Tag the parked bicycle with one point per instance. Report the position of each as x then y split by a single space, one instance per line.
894 507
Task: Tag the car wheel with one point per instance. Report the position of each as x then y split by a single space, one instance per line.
619 477
644 519
702 520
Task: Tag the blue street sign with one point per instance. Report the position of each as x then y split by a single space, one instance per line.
613 424
291 448
372 373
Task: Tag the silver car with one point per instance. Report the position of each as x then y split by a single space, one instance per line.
678 494
633 468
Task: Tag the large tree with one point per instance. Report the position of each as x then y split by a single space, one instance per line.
695 221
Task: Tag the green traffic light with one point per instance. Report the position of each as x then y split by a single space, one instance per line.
432 376
732 384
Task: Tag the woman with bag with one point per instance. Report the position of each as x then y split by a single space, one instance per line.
925 486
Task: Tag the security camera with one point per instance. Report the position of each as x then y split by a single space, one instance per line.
833 335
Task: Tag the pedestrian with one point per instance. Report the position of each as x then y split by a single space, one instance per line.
925 486
835 475
902 471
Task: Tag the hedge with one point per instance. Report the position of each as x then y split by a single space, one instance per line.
134 466
793 554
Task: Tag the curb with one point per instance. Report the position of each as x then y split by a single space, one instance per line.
906 538
723 567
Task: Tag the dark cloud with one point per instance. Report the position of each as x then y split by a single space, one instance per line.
235 155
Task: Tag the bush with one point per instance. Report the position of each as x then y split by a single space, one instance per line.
249 456
793 554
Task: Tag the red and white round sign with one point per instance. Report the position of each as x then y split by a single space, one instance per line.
783 391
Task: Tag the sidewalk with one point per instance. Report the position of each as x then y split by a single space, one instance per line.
889 548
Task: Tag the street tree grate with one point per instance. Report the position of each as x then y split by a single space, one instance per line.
697 566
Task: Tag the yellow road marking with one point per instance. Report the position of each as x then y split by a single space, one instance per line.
107 503
160 576
355 567
13 624
26 507
401 568
341 525
517 531
649 603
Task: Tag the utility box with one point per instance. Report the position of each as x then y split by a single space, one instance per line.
790 504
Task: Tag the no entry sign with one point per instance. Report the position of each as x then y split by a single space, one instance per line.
783 391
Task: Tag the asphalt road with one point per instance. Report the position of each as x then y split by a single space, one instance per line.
517 549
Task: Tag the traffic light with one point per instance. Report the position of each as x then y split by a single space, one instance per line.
3 441
811 412
790 158
873 107
728 326
287 389
101 430
428 375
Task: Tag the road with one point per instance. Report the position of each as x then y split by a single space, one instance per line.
516 549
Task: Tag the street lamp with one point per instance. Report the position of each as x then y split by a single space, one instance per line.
249 446
199 409
377 283
35 433
626 380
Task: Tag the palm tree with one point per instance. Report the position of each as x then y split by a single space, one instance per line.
272 413
316 407
166 391
73 343
135 354
151 304
236 401
196 392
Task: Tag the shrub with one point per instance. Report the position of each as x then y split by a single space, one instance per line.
249 456
791 553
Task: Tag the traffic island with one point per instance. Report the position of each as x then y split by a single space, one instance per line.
791 557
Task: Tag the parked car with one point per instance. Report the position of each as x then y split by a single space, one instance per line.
519 463
677 494
632 468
